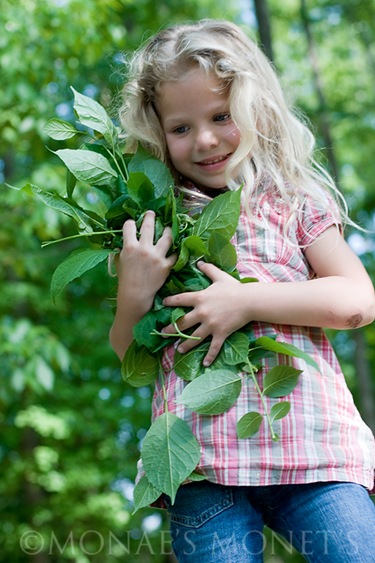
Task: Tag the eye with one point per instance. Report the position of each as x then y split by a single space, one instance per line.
220 117
180 129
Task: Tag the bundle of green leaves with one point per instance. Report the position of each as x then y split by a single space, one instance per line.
127 185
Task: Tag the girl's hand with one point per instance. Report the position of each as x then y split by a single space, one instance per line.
143 266
216 311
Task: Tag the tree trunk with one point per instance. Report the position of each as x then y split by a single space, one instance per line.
365 384
324 124
361 362
264 26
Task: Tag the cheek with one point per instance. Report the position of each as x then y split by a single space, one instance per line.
234 136
177 149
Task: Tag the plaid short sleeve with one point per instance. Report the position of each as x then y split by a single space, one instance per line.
314 217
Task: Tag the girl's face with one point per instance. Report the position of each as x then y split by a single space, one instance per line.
200 134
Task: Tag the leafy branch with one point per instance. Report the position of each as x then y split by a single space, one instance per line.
127 186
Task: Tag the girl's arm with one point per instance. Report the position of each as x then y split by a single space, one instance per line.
142 268
341 297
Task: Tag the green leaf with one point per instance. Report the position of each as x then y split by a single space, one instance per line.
140 189
222 252
170 452
177 313
93 115
188 366
154 169
88 166
236 348
151 321
195 476
249 424
139 367
69 207
214 392
220 215
191 245
279 410
77 263
144 493
280 381
286 349
59 129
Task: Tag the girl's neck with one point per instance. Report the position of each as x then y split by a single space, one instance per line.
210 192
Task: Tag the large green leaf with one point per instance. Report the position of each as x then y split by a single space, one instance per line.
76 264
144 493
280 381
69 207
220 215
222 252
93 115
236 348
286 349
59 129
170 452
139 367
188 366
214 392
154 169
88 166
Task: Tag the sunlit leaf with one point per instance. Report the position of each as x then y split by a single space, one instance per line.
93 115
59 129
77 263
170 452
88 166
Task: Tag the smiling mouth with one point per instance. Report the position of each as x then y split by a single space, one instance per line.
207 162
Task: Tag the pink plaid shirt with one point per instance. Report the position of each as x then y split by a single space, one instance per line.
323 438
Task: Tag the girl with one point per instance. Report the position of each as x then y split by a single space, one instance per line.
204 99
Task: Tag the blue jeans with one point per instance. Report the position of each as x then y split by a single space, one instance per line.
325 522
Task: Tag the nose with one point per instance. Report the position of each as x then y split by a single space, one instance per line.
206 139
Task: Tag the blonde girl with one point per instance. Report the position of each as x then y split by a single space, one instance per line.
203 98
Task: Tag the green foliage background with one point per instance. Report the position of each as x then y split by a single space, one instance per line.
70 428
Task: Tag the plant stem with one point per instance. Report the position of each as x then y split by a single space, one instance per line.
163 387
48 243
253 377
177 333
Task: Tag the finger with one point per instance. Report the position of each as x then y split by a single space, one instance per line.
165 241
183 323
171 260
147 229
129 232
181 300
213 351
189 344
212 271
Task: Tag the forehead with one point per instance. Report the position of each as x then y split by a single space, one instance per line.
197 91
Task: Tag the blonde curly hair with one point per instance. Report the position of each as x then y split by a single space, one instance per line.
276 147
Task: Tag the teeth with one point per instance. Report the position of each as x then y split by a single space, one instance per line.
214 161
